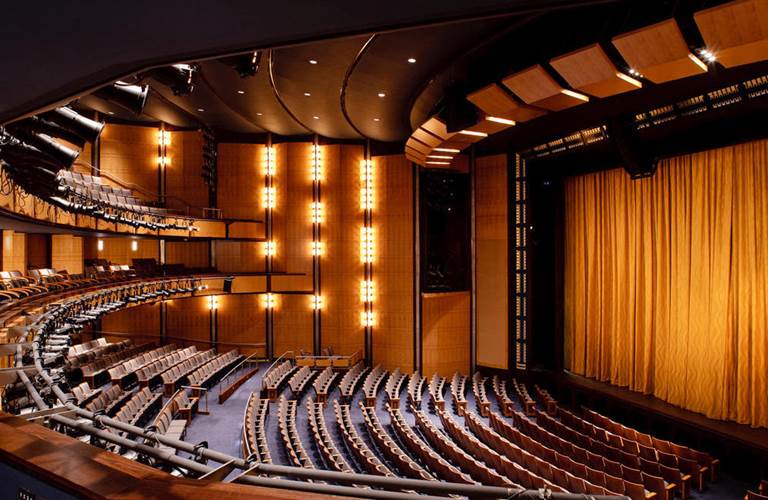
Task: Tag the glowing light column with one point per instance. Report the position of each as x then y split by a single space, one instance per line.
317 216
269 200
367 250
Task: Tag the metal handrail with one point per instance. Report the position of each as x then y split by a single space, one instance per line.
236 368
286 354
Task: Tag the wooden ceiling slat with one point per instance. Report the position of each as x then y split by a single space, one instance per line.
591 71
536 87
426 137
436 127
658 51
736 32
418 146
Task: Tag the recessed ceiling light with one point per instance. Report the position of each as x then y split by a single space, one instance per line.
241 91
411 60
200 109
447 150
473 132
110 112
382 94
375 119
259 114
313 61
316 117
307 94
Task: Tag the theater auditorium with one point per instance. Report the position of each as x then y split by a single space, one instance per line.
388 250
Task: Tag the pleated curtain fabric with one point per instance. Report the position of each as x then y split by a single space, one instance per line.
666 281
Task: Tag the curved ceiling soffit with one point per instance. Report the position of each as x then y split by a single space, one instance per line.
278 96
252 96
309 80
343 93
234 109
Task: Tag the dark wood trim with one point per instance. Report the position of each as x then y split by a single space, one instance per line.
472 264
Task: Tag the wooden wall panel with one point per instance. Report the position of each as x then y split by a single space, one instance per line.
445 333
241 180
293 324
118 250
239 256
37 251
184 182
67 253
341 268
14 251
130 153
192 254
292 225
491 245
141 324
393 272
188 322
241 323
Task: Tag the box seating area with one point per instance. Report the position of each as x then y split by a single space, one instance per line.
286 421
457 455
436 386
210 372
372 383
300 379
415 389
323 384
458 393
393 387
355 444
275 378
350 380
254 430
481 398
502 397
334 460
406 465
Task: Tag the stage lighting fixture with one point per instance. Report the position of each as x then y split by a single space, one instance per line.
76 123
245 64
47 127
130 97
18 152
47 146
180 78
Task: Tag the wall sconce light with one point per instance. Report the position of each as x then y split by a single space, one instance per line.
213 302
317 248
366 185
100 245
316 301
269 300
367 245
270 166
367 318
163 138
270 248
367 290
316 169
134 245
270 195
317 210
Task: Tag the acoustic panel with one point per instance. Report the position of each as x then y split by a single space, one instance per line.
737 32
591 71
536 87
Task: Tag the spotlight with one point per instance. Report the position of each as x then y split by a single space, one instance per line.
180 78
47 127
47 146
76 123
131 97
18 153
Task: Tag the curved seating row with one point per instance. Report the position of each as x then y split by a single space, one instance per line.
176 374
502 397
415 389
350 380
325 444
393 387
209 373
166 423
436 385
286 421
481 397
372 383
147 373
355 444
458 391
546 399
275 378
254 430
125 372
109 401
140 407
300 379
95 371
384 442
526 401
323 384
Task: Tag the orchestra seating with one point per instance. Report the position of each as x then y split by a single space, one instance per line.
286 418
96 372
210 372
323 384
481 398
415 389
300 379
334 460
350 380
502 397
254 430
372 383
355 444
458 391
138 409
393 387
275 378
436 385
528 403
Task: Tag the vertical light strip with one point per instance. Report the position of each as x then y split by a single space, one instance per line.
163 160
367 249
521 271
269 170
317 216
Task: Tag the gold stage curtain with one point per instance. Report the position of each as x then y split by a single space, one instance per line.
666 281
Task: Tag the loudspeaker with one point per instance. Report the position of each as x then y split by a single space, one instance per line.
458 114
228 284
637 162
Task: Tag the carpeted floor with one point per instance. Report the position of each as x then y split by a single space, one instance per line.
222 428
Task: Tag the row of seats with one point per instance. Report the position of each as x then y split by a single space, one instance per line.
527 402
177 374
286 421
209 373
393 387
372 383
138 409
323 384
254 427
576 478
656 476
350 380
549 402
458 391
384 442
300 379
502 397
436 386
109 401
84 394
75 360
166 423
275 377
415 389
334 460
120 373
481 397
355 444
96 372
